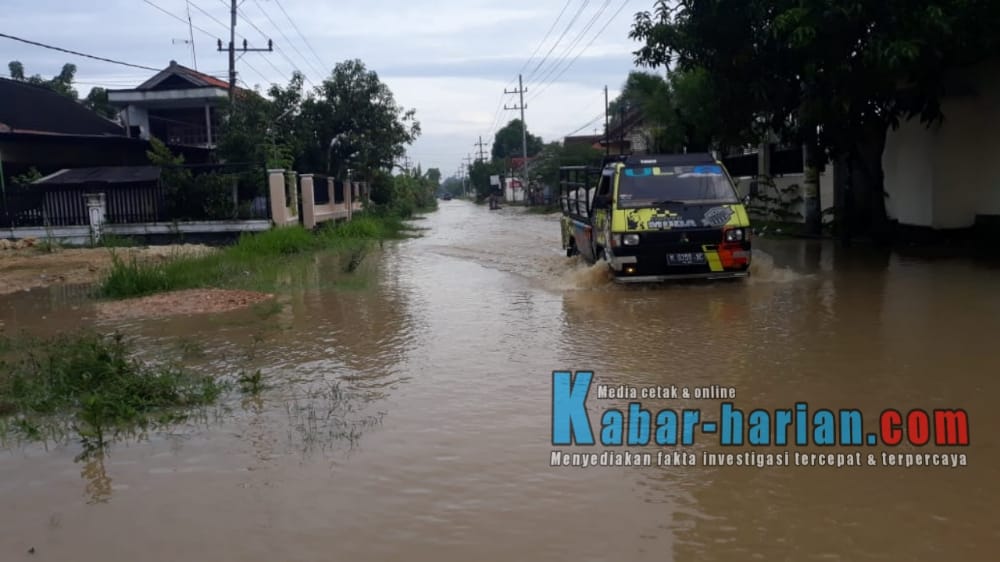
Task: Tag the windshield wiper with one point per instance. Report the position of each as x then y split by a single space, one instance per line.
669 202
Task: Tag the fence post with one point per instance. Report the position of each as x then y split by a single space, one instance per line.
348 189
276 188
308 192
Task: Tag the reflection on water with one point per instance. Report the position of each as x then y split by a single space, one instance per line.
408 416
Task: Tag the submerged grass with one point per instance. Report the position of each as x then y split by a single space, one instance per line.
254 257
91 385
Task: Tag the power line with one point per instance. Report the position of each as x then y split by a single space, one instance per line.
587 46
556 44
587 124
547 34
285 37
569 49
210 34
276 48
302 35
182 20
112 61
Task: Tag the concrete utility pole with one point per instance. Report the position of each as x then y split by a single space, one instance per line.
607 124
524 127
480 144
232 49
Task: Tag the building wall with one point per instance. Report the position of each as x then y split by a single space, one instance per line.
943 176
137 117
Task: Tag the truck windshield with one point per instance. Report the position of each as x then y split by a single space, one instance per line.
642 187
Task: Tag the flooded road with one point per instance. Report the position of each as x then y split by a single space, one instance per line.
410 419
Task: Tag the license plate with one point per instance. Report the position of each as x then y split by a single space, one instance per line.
695 258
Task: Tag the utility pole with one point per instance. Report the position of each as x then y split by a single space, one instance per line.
480 144
468 166
607 124
524 127
232 49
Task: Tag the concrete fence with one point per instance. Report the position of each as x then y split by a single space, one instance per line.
322 198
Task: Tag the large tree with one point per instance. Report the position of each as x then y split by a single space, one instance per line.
353 121
826 73
508 142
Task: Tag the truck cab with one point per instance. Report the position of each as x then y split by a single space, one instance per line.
656 218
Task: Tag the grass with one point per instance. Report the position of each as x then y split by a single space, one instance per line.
92 385
255 257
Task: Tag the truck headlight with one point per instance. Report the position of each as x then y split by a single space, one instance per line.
630 240
735 235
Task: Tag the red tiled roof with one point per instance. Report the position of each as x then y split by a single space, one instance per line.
212 80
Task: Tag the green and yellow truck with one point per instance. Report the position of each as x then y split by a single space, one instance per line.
656 218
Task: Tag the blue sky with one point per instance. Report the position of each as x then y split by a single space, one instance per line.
449 59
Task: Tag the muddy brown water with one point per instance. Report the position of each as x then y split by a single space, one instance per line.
411 419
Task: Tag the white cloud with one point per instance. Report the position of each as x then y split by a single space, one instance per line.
448 59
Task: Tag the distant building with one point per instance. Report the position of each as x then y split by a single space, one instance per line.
179 106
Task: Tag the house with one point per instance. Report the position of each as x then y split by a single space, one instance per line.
593 141
944 177
43 130
47 131
179 106
628 134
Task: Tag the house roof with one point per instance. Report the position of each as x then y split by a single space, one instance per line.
29 108
193 77
102 174
583 139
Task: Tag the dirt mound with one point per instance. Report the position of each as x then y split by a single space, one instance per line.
191 301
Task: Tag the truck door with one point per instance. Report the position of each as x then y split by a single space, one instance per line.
601 213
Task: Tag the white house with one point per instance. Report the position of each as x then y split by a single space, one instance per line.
944 176
179 106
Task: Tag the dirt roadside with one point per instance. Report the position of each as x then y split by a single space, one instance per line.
28 268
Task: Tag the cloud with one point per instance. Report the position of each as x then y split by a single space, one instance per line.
448 59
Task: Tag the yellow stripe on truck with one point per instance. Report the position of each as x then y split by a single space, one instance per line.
712 257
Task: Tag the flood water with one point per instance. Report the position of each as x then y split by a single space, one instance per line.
410 419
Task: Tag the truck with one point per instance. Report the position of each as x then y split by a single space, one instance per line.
655 218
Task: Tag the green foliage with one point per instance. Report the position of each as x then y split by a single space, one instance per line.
479 176
355 108
508 142
190 196
28 177
253 257
454 186
821 72
555 155
62 83
94 382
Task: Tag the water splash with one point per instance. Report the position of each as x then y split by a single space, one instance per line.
763 270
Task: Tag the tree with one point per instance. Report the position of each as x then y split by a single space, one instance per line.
479 176
434 176
355 109
97 101
824 73
555 155
264 130
16 70
508 142
454 186
62 83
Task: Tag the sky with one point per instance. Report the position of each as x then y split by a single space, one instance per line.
450 60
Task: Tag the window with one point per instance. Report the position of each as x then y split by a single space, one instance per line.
642 187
